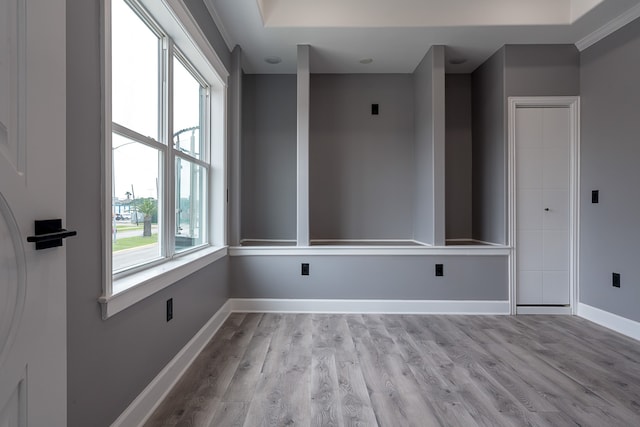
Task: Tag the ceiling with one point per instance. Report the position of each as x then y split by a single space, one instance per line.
396 34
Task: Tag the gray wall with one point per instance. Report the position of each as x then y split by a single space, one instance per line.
458 157
542 70
514 70
481 278
489 150
361 165
610 125
269 157
110 362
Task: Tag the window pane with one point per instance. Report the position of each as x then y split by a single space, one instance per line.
187 110
135 64
190 204
136 207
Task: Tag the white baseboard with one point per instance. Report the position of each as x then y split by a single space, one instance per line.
620 324
143 406
541 309
368 306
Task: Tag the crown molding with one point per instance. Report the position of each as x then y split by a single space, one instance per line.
609 28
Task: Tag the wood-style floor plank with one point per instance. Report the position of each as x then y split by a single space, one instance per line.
405 370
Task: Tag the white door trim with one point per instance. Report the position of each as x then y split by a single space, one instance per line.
573 103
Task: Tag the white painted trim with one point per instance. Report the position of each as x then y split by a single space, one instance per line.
484 242
303 105
438 143
226 36
143 406
573 103
543 309
273 241
620 324
370 250
138 286
367 242
480 242
367 306
609 28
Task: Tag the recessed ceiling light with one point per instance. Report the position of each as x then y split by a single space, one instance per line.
457 61
366 61
273 60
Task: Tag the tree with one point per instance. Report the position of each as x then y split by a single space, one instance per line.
148 208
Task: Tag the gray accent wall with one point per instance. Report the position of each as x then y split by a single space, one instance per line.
468 278
269 156
361 165
458 166
489 150
610 152
111 361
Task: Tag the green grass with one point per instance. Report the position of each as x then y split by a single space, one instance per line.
133 242
121 227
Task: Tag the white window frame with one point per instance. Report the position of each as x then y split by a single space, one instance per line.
127 288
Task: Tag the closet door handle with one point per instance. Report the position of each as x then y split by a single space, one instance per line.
49 234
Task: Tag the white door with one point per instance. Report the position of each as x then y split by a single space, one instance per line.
543 165
32 187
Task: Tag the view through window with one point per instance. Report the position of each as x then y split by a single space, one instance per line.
158 189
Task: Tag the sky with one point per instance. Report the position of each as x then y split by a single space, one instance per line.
135 95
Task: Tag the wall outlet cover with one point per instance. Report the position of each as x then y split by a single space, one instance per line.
169 309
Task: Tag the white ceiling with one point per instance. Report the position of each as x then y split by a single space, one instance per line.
396 34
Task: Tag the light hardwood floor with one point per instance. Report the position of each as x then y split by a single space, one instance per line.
406 370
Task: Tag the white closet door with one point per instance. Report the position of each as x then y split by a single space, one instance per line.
542 205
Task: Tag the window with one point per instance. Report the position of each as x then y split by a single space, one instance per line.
165 96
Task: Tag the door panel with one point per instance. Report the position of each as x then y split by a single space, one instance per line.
555 171
32 187
554 287
530 210
531 287
557 217
555 128
555 250
530 247
530 173
528 130
542 205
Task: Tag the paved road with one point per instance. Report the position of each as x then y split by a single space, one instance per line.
134 233
133 256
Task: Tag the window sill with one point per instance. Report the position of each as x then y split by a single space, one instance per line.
138 286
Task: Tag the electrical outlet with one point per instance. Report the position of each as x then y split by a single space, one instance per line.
169 309
305 269
595 196
439 269
616 280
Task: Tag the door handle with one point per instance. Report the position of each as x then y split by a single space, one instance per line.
547 209
49 234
